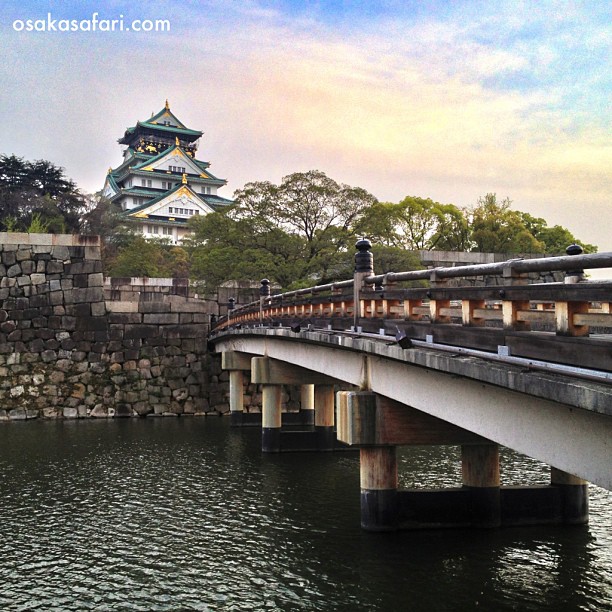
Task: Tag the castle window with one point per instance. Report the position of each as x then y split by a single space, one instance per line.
143 182
154 229
149 182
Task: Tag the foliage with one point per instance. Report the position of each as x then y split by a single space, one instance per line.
37 188
556 239
498 229
138 256
299 232
416 224
37 225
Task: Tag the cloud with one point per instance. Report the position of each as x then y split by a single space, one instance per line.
447 105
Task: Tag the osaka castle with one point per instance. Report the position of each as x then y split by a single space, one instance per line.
160 184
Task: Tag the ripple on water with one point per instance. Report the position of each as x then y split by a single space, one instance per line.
145 515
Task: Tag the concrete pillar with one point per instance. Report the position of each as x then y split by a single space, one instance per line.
480 472
379 498
271 419
307 404
574 496
236 379
324 416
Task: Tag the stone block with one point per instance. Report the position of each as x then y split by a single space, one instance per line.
141 331
17 414
98 309
28 267
161 318
13 271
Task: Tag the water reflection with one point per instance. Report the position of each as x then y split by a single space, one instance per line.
186 514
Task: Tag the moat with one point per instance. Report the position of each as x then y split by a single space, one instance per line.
188 514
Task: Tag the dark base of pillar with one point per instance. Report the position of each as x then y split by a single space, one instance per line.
253 419
379 510
245 419
574 504
271 439
236 419
485 506
326 438
488 507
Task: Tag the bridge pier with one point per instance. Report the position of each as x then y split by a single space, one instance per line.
480 474
307 404
377 425
271 419
378 481
324 416
316 394
574 497
237 364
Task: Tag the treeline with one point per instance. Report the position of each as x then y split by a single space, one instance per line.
298 233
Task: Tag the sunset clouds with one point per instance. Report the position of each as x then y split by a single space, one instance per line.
442 100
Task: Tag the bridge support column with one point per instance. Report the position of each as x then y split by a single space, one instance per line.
237 363
379 498
574 497
271 419
480 472
236 379
324 416
307 404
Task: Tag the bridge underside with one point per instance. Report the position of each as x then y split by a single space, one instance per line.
560 420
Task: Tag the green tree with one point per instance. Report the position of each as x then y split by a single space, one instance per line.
498 229
416 224
556 238
41 188
297 233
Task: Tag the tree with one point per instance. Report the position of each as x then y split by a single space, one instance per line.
415 224
306 204
297 233
38 188
556 239
498 229
138 256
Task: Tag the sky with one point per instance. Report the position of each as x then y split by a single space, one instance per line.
449 100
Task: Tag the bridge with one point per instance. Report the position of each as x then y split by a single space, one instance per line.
425 358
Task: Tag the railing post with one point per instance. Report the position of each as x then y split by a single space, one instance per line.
264 292
364 267
574 276
565 311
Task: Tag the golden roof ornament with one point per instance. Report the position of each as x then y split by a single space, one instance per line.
184 181
177 141
167 105
110 169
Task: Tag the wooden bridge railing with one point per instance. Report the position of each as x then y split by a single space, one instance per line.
551 321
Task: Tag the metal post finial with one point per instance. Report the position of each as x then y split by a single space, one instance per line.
364 260
264 290
577 275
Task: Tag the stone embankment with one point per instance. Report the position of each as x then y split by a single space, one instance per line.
73 346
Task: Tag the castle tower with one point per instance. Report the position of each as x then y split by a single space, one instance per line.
160 184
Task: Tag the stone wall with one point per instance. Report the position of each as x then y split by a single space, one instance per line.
66 352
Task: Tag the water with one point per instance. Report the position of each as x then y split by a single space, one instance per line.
187 514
